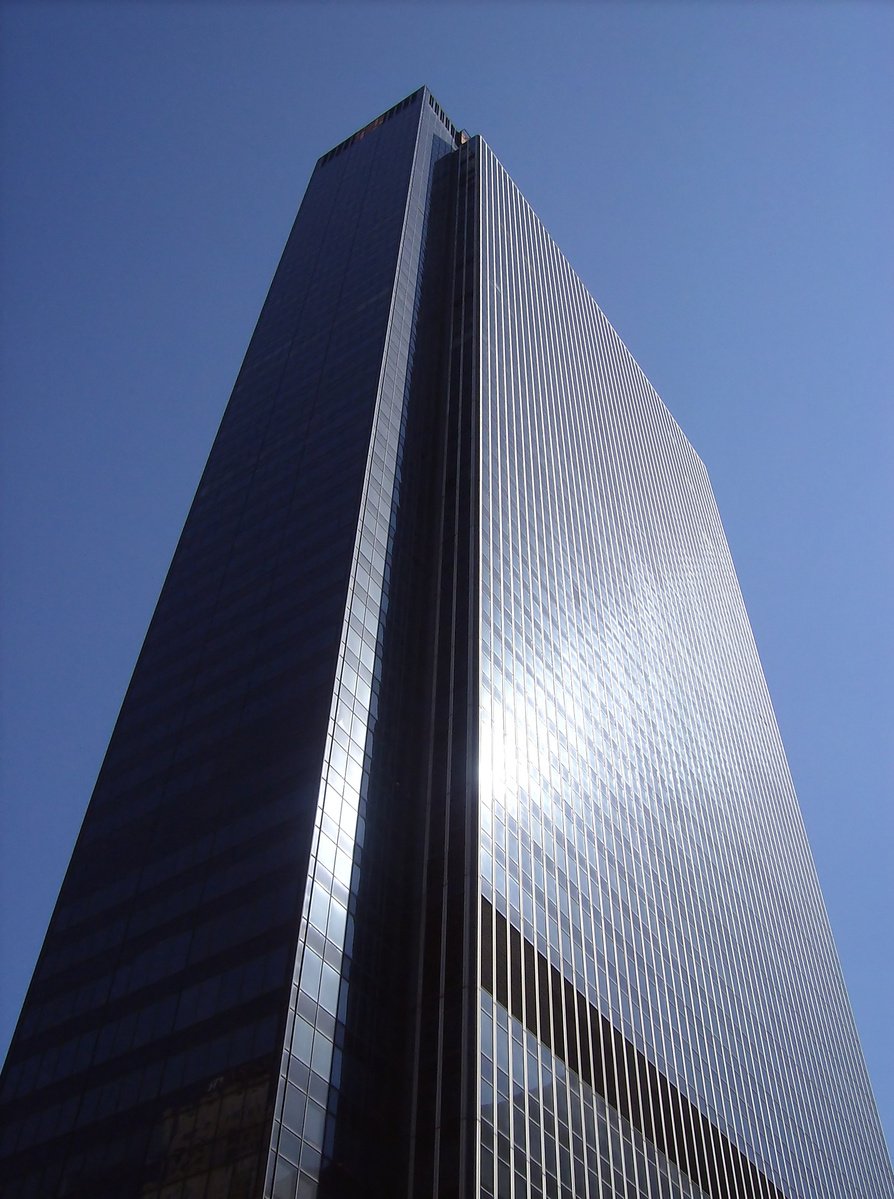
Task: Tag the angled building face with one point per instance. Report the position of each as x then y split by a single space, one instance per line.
445 844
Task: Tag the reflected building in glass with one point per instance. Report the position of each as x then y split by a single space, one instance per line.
445 844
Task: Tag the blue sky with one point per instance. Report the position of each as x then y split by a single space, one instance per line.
722 178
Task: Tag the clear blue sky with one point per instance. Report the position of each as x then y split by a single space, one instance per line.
721 176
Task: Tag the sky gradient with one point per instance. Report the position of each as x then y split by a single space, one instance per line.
721 177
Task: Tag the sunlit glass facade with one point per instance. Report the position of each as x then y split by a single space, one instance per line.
445 844
643 863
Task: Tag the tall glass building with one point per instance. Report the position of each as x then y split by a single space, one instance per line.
445 843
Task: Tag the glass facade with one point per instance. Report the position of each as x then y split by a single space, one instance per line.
445 844
640 837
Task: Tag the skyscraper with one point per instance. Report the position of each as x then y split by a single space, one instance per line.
445 843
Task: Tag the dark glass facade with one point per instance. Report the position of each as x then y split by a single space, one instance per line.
445 843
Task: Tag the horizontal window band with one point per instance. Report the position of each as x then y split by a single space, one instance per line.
574 1030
